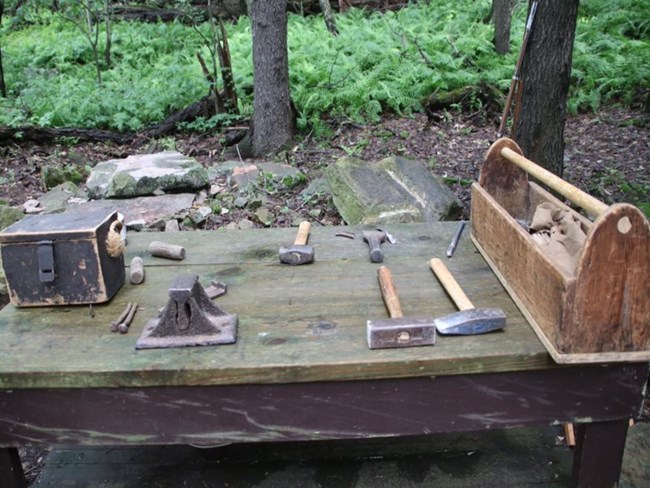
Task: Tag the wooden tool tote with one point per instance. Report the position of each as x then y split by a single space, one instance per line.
598 312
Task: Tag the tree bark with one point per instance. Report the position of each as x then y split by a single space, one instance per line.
109 35
545 76
326 7
502 10
272 124
3 88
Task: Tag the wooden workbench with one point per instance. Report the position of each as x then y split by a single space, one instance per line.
300 369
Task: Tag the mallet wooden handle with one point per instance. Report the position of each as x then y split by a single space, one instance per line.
450 284
389 293
584 200
303 233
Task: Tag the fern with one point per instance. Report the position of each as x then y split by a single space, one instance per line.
377 63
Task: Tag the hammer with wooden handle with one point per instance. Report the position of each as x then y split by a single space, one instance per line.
299 252
469 320
398 331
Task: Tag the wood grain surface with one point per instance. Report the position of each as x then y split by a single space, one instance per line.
296 324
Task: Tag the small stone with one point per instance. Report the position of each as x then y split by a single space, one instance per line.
215 189
172 226
32 206
198 215
201 197
245 224
136 225
240 202
231 226
264 216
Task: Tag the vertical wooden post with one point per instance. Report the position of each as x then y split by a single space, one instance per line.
594 465
11 470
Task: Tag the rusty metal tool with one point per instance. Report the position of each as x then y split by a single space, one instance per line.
398 331
190 318
455 239
469 320
216 289
123 327
375 238
115 323
299 252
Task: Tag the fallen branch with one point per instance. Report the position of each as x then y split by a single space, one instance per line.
42 134
202 108
488 95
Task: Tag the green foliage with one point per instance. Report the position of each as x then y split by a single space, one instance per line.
379 62
274 184
611 56
612 181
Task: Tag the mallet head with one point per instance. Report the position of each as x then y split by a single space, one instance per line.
471 321
375 238
296 254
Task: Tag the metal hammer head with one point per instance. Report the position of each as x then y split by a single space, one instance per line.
374 238
471 322
296 254
400 332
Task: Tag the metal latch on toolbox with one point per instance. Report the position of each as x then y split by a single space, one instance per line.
46 261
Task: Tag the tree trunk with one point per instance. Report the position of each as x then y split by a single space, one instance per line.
272 124
3 88
109 36
502 10
545 76
329 18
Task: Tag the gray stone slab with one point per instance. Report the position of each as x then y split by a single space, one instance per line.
318 186
142 211
393 190
59 197
244 174
145 174
9 215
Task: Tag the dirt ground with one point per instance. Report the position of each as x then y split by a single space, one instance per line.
607 154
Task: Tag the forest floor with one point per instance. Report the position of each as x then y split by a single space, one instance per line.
607 154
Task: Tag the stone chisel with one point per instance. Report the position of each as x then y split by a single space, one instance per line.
398 331
455 239
469 320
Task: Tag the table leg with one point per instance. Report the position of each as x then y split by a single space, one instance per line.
11 470
598 455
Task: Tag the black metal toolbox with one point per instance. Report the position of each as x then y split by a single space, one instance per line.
63 259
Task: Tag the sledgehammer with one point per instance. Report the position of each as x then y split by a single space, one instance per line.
299 252
470 320
398 331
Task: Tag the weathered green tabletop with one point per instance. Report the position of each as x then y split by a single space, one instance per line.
301 368
296 323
